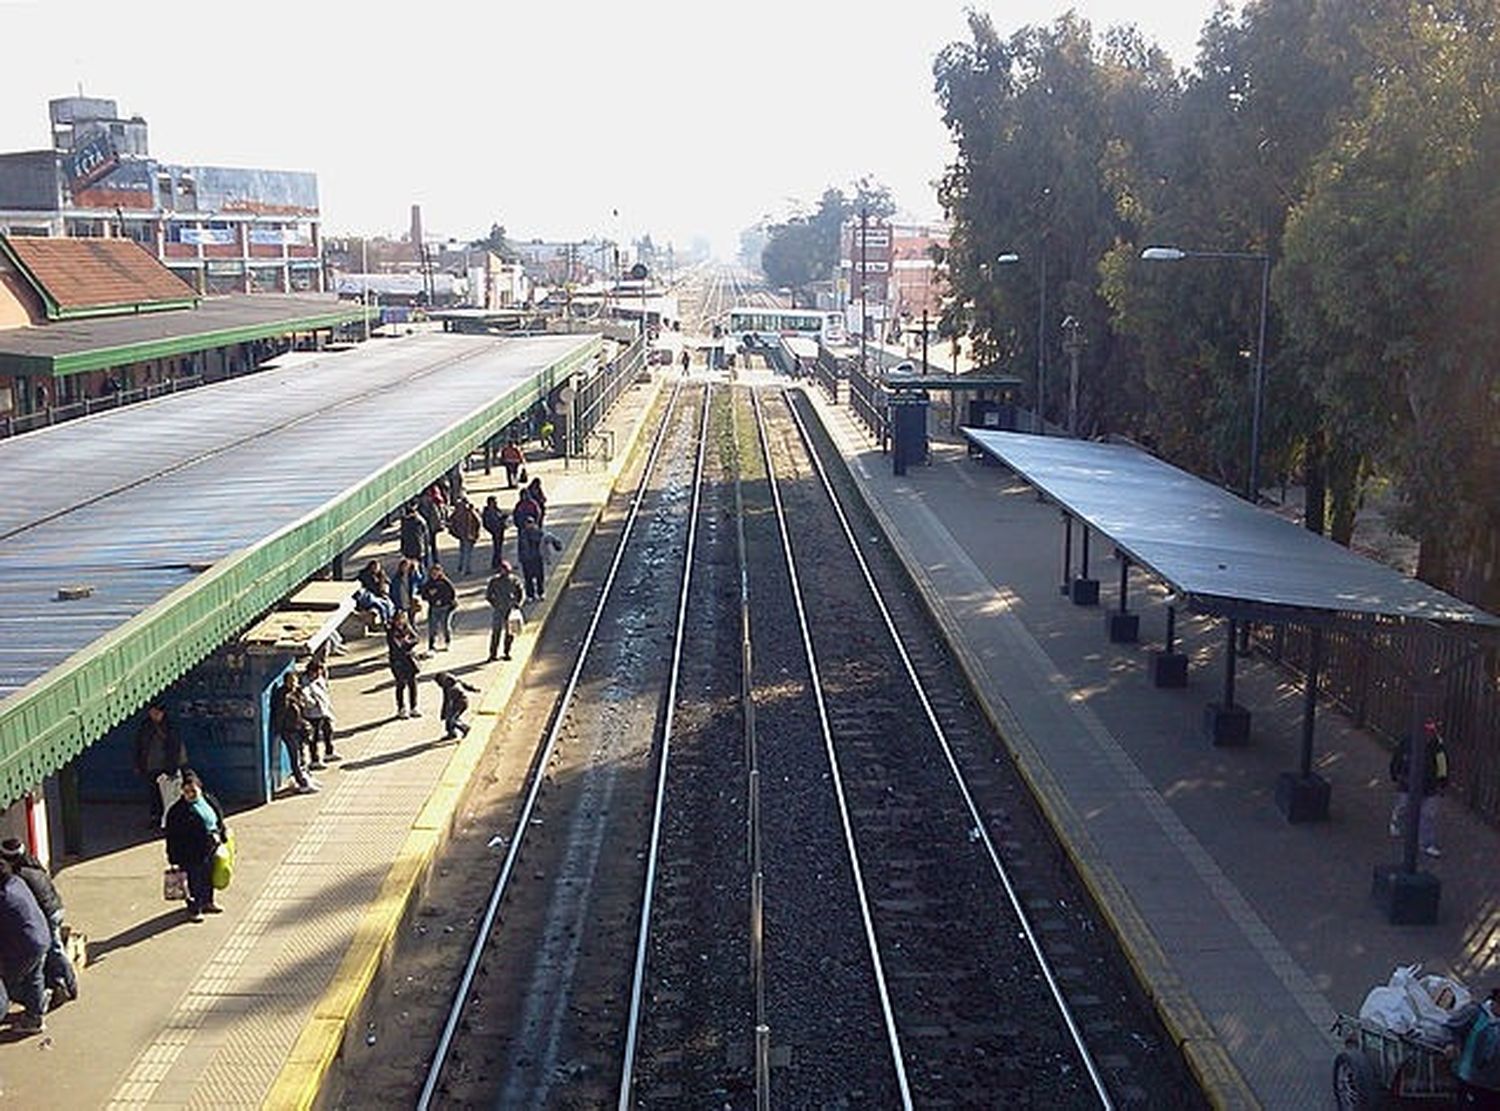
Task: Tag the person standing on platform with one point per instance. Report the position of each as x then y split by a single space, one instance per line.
195 830
158 751
531 543
25 938
318 706
534 490
413 536
513 459
289 718
1434 782
432 507
463 523
687 360
401 647
526 511
441 601
57 968
406 586
493 518
504 594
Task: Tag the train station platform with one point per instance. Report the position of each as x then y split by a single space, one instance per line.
1248 932
248 1008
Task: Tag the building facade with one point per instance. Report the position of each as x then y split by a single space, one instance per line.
902 277
220 229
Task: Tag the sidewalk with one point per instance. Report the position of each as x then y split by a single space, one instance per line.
177 1014
1248 931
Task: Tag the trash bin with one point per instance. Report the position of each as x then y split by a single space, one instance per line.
908 415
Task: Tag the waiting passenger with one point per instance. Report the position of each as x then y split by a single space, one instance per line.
413 535
25 938
318 708
58 970
374 593
513 459
534 490
441 601
195 830
401 644
531 542
289 719
463 523
494 520
406 585
158 752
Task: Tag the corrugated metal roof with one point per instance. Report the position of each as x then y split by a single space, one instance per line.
1209 544
137 501
212 315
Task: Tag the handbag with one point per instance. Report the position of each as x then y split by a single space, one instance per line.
222 869
174 885
515 621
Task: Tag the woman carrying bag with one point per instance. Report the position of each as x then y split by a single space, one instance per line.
195 829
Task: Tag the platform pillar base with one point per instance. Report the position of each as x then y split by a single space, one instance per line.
1169 669
1303 798
1085 592
1226 725
1406 898
1123 628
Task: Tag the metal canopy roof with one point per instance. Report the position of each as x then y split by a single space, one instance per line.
192 514
1209 545
69 347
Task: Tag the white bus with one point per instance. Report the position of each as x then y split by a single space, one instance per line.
764 327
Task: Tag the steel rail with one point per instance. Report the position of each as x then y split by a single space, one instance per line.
538 773
892 1035
978 824
658 808
752 795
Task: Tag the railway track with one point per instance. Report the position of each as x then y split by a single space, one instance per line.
769 853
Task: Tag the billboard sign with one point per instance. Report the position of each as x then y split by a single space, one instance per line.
91 161
210 236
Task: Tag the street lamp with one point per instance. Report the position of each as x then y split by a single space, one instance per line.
1009 258
1176 254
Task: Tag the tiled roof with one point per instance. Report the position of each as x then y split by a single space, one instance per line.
77 274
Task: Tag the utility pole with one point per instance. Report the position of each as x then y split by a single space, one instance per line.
864 273
1072 344
1041 345
924 340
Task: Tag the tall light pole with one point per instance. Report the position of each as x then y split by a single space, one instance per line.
1072 344
864 278
1176 254
1010 258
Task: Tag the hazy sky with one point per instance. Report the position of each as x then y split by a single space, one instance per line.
546 116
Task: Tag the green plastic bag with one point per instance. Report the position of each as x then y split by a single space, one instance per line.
223 866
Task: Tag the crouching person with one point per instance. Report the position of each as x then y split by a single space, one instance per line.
455 704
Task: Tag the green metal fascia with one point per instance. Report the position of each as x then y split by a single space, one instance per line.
18 365
124 308
52 720
99 358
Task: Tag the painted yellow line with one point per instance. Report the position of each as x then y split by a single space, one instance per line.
335 1016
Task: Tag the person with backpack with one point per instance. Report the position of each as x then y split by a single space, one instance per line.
463 523
1434 782
504 594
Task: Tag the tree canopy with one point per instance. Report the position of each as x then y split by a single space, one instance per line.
1354 145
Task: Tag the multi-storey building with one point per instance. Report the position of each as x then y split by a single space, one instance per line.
221 229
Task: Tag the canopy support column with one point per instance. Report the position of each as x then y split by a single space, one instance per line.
1225 722
1067 568
1169 666
1085 590
1123 626
1303 796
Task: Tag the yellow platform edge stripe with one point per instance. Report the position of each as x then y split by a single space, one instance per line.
319 1043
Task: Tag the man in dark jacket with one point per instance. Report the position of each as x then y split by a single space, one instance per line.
494 520
413 536
504 593
57 968
441 600
158 751
24 940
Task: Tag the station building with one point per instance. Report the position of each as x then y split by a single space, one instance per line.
94 323
220 229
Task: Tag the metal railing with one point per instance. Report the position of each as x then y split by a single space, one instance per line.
868 401
598 392
56 414
827 372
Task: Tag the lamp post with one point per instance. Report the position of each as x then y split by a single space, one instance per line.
1072 344
1010 258
1176 254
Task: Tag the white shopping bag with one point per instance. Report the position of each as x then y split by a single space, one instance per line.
170 787
515 621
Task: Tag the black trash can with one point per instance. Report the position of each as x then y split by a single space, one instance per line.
908 416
